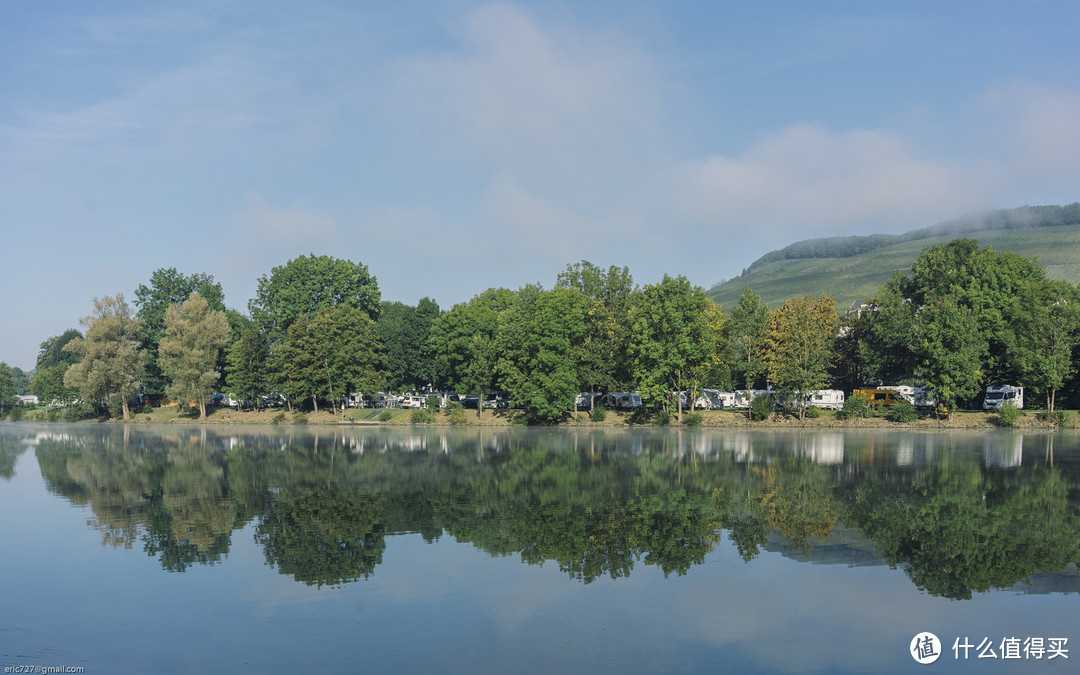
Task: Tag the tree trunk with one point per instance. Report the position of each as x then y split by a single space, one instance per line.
124 407
315 404
202 409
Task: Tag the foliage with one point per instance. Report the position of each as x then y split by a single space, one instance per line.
336 351
194 338
111 358
673 334
1045 334
536 341
405 331
463 342
948 347
746 329
1058 417
798 342
299 418
901 412
433 403
278 418
693 419
52 362
307 284
456 413
662 418
385 416
598 413
601 355
169 287
1008 415
812 412
420 416
16 413
854 407
73 413
248 364
7 386
761 407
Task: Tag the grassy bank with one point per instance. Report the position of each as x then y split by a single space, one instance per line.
708 419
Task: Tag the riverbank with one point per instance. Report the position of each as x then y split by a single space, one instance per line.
498 418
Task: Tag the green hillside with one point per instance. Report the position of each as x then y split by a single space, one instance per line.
854 268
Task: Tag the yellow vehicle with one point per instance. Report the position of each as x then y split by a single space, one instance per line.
879 399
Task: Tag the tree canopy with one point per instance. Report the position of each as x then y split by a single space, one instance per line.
111 358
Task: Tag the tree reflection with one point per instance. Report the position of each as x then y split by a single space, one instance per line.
324 503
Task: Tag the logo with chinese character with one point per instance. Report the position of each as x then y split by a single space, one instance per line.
925 648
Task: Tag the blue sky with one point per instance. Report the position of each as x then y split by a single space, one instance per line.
456 146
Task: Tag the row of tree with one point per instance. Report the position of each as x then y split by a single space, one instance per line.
961 317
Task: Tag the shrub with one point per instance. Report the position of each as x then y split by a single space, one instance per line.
598 413
385 416
420 416
1058 417
662 418
812 412
299 418
52 415
433 403
854 406
458 416
278 418
761 407
693 419
73 413
901 412
1008 415
16 413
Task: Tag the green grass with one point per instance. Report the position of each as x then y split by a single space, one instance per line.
859 277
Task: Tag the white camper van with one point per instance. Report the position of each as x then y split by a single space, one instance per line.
998 396
829 399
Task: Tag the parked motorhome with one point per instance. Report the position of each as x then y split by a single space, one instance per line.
829 399
880 398
714 399
996 397
743 397
621 400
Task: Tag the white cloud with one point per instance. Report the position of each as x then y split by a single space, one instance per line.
286 228
823 182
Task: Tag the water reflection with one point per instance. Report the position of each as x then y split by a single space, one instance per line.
958 513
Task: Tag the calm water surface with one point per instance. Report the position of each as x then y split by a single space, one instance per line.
199 549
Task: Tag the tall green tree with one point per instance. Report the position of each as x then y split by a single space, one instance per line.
7 385
247 372
601 354
798 345
52 362
168 287
111 357
195 336
949 350
333 352
1045 335
746 331
405 330
670 335
307 284
463 342
536 341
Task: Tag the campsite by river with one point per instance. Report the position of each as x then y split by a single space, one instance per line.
177 547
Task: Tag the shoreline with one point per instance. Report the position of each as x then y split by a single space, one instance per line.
719 419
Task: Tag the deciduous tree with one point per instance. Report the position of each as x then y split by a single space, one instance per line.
798 345
670 335
168 287
195 335
1045 334
536 341
111 358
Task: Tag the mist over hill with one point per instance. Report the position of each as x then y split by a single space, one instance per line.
853 267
